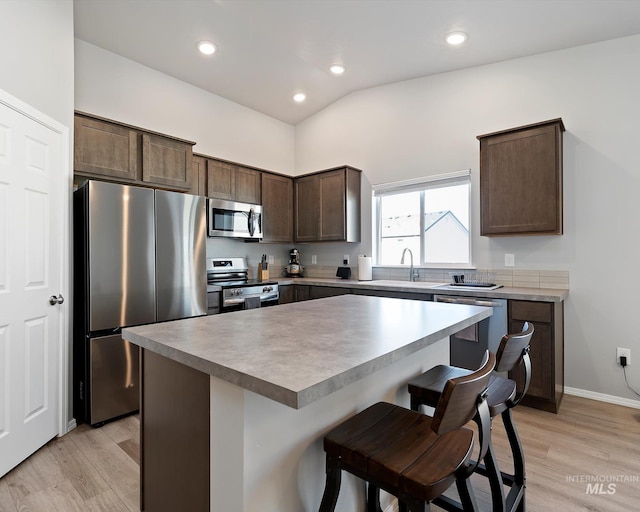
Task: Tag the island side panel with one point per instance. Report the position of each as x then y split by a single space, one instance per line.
174 436
277 451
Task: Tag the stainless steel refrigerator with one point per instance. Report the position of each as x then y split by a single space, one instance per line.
139 258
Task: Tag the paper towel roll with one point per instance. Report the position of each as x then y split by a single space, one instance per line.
364 268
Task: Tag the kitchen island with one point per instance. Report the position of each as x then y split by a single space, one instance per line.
234 406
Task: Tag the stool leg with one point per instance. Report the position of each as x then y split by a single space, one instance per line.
519 477
495 480
408 503
467 498
415 403
373 499
332 486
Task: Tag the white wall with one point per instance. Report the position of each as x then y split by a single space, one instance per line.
111 86
36 60
429 126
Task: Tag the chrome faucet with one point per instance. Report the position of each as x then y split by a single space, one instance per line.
412 276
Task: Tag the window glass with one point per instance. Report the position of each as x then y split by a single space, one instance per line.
431 218
400 228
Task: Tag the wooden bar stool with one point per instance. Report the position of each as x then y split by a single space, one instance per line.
408 454
502 396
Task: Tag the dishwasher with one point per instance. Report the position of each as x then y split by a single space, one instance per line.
468 345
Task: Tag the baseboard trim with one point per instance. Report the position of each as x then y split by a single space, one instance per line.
71 425
601 397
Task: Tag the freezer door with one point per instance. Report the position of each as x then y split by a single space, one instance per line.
181 276
121 253
114 378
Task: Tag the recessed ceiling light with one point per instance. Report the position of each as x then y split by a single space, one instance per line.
455 38
207 47
337 69
299 97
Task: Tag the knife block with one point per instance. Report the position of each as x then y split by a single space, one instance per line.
263 273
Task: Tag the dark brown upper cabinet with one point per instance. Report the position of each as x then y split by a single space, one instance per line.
277 208
199 175
327 206
126 154
105 149
166 162
233 182
521 180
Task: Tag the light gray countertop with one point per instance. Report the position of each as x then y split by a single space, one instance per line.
298 353
513 293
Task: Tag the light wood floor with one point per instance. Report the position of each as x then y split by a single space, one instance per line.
97 469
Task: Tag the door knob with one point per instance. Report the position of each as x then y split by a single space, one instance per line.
53 300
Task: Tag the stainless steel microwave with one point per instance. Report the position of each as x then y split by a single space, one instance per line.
234 220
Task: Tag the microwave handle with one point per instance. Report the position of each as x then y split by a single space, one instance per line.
252 227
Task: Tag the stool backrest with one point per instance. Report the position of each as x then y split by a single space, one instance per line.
460 397
512 348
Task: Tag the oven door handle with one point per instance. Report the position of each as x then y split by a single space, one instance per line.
467 302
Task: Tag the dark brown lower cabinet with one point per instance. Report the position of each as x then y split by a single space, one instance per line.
286 294
174 442
319 292
393 294
547 351
301 292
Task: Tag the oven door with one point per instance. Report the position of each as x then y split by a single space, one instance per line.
234 220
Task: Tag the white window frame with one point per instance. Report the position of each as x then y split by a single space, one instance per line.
419 184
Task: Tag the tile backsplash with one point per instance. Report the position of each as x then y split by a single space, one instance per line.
556 279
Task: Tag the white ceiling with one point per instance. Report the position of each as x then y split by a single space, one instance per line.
270 49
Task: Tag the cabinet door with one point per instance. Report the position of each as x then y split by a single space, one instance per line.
247 188
277 208
332 205
221 180
301 292
199 176
393 294
521 181
105 149
307 209
286 294
319 292
542 363
166 162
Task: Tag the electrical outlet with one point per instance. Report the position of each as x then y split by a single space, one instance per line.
345 259
314 259
271 260
509 260
623 352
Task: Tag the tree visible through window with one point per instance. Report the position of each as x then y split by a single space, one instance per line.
430 217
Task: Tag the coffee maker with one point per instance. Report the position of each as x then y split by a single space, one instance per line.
294 268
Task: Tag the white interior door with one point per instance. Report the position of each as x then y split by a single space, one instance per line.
32 238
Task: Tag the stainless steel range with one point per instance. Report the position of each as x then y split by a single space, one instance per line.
230 278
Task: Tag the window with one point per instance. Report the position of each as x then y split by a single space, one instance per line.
430 216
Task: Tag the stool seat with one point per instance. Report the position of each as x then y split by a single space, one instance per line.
428 387
411 455
397 448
